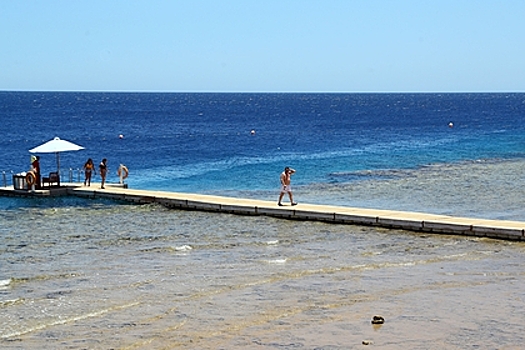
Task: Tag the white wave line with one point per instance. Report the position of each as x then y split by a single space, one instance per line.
67 320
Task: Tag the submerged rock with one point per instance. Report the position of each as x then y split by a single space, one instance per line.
378 320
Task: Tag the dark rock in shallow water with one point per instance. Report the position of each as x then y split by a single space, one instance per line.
378 320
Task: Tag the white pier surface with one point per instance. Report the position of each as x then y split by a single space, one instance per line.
413 221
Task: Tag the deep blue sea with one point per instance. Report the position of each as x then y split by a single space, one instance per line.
98 274
204 142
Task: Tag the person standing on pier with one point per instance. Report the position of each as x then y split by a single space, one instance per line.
285 185
103 169
36 167
89 168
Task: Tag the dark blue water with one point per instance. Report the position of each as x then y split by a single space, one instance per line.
203 142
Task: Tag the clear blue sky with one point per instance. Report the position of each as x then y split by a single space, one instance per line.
263 45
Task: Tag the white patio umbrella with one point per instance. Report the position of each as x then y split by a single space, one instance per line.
56 146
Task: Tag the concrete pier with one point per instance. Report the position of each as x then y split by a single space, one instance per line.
412 221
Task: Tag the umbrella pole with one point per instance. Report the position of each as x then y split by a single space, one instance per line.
58 166
58 163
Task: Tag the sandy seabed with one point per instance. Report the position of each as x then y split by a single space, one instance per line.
111 276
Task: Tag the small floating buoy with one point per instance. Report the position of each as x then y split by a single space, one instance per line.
450 125
252 132
120 136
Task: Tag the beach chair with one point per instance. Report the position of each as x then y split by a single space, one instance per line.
51 179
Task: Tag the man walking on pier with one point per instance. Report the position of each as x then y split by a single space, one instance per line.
285 185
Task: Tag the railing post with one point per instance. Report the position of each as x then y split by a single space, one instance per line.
70 175
4 178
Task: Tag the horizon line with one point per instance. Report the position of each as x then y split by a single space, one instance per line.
269 92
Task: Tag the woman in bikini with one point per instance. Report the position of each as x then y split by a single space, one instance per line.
103 169
89 168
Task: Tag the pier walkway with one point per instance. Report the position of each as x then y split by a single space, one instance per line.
413 221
